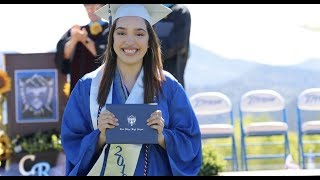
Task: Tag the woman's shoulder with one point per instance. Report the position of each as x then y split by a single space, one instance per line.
170 78
94 74
171 81
171 88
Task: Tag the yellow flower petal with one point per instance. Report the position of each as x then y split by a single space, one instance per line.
5 82
66 89
5 146
96 28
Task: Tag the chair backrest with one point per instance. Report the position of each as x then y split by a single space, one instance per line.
264 100
210 103
309 100
212 108
308 107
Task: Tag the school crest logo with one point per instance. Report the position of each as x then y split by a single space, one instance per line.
131 120
36 93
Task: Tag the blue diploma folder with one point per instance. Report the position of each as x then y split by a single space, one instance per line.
133 128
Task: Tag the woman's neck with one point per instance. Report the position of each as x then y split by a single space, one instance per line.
129 75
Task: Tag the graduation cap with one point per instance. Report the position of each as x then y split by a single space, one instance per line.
150 12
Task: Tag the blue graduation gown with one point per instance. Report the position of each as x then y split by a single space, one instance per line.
183 153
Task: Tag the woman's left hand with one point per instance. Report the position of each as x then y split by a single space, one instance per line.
156 121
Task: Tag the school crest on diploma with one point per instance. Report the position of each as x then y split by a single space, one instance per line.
131 120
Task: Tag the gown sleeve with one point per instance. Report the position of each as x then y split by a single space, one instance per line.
182 134
78 138
61 63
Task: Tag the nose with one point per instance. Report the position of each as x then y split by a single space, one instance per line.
130 39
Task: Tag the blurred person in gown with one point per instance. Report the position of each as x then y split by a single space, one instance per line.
80 48
174 34
131 73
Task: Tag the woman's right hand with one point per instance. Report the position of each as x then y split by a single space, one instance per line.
106 120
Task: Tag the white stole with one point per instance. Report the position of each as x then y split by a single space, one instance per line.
118 163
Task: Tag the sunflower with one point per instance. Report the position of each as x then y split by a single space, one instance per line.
5 146
95 28
5 82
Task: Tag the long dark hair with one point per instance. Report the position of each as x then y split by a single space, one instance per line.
152 66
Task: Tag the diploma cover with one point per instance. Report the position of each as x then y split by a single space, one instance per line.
133 128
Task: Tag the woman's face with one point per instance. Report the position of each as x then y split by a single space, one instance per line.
130 40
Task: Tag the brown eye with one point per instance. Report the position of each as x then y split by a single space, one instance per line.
120 33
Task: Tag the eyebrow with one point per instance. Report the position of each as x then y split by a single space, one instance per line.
138 29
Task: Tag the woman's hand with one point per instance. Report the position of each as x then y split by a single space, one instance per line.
106 120
157 122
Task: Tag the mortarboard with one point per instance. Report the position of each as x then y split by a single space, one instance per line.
150 12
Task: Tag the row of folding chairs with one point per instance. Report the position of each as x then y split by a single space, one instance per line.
217 111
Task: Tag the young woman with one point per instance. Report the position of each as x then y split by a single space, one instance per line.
131 74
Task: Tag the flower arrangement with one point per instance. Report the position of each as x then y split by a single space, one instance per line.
5 146
5 143
95 28
37 142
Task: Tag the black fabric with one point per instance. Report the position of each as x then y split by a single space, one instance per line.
174 33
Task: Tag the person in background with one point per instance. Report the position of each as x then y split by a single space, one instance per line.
80 48
131 73
174 34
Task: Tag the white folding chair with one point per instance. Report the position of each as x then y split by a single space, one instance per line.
308 101
262 101
211 105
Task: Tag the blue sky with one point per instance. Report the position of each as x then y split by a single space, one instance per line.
269 34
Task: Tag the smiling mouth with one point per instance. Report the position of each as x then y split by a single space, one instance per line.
130 51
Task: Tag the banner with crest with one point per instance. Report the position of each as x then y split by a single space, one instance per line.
36 95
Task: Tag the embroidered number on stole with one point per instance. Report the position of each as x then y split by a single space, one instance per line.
120 160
